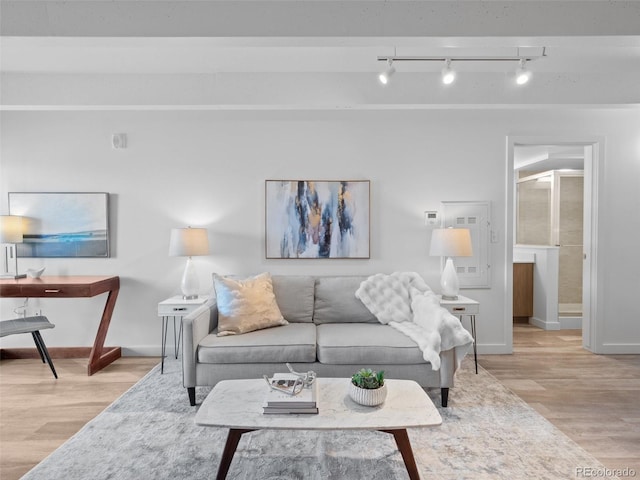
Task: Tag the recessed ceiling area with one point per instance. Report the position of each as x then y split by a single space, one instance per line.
539 158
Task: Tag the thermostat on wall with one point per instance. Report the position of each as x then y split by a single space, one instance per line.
431 218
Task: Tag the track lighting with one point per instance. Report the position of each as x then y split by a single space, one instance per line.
386 75
522 74
448 74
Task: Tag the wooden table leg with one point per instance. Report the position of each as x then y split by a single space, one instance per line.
402 441
99 358
229 449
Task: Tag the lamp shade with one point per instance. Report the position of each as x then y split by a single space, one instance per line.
10 229
451 242
188 242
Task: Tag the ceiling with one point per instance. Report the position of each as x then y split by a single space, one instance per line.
204 55
310 53
539 158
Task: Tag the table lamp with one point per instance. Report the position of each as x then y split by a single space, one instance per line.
11 229
450 242
189 242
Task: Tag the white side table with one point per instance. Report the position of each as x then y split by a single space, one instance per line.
176 307
461 307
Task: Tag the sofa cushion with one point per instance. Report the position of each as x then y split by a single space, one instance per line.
336 301
365 344
295 342
246 305
294 294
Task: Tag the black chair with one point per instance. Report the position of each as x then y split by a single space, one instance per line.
31 325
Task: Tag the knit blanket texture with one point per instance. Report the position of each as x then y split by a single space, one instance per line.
405 302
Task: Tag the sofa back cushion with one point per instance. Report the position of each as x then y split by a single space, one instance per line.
336 301
294 294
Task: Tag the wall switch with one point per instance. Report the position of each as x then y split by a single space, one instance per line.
494 236
119 140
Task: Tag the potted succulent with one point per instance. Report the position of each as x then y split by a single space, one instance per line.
367 387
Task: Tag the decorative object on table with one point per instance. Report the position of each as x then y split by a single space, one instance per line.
367 387
307 378
63 224
317 219
450 242
35 272
11 234
189 242
291 393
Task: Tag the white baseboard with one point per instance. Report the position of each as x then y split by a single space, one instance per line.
145 351
492 349
570 323
620 349
545 325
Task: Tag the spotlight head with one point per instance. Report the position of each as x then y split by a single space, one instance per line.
522 74
386 75
448 74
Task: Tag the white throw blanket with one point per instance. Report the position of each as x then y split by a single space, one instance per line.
405 302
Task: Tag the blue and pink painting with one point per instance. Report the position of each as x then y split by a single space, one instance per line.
317 219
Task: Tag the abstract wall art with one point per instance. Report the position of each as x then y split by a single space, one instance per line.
62 224
317 219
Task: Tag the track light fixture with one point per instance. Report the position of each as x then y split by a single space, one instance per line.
448 74
386 75
522 74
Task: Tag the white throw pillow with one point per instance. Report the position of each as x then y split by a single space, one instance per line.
246 305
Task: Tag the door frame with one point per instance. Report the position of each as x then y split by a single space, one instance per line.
592 304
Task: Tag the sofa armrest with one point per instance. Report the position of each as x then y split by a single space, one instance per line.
195 326
448 366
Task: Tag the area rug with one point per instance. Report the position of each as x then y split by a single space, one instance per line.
149 433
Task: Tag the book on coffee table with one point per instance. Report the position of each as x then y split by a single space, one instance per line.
282 398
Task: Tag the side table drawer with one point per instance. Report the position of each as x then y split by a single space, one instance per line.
462 309
169 310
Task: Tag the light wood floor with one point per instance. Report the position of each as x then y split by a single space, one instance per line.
594 399
39 413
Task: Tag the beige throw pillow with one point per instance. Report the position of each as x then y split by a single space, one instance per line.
246 305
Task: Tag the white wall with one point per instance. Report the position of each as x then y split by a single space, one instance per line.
207 168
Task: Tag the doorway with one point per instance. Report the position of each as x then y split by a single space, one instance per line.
549 229
549 154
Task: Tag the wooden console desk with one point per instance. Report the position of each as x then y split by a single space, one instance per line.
72 287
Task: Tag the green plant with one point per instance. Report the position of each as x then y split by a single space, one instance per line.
368 379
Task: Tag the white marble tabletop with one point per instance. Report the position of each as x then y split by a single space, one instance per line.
238 404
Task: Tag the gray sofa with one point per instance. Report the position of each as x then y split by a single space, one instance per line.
330 331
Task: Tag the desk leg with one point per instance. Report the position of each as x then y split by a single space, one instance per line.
402 441
229 449
101 357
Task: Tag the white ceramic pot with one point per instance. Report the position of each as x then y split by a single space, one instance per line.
367 397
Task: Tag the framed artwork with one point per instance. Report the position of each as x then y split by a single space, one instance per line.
62 224
317 219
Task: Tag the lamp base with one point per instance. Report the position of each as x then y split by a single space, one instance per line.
449 281
190 284
11 275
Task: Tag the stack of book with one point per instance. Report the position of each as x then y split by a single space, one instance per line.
280 400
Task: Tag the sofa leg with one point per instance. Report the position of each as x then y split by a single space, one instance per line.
192 395
445 396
